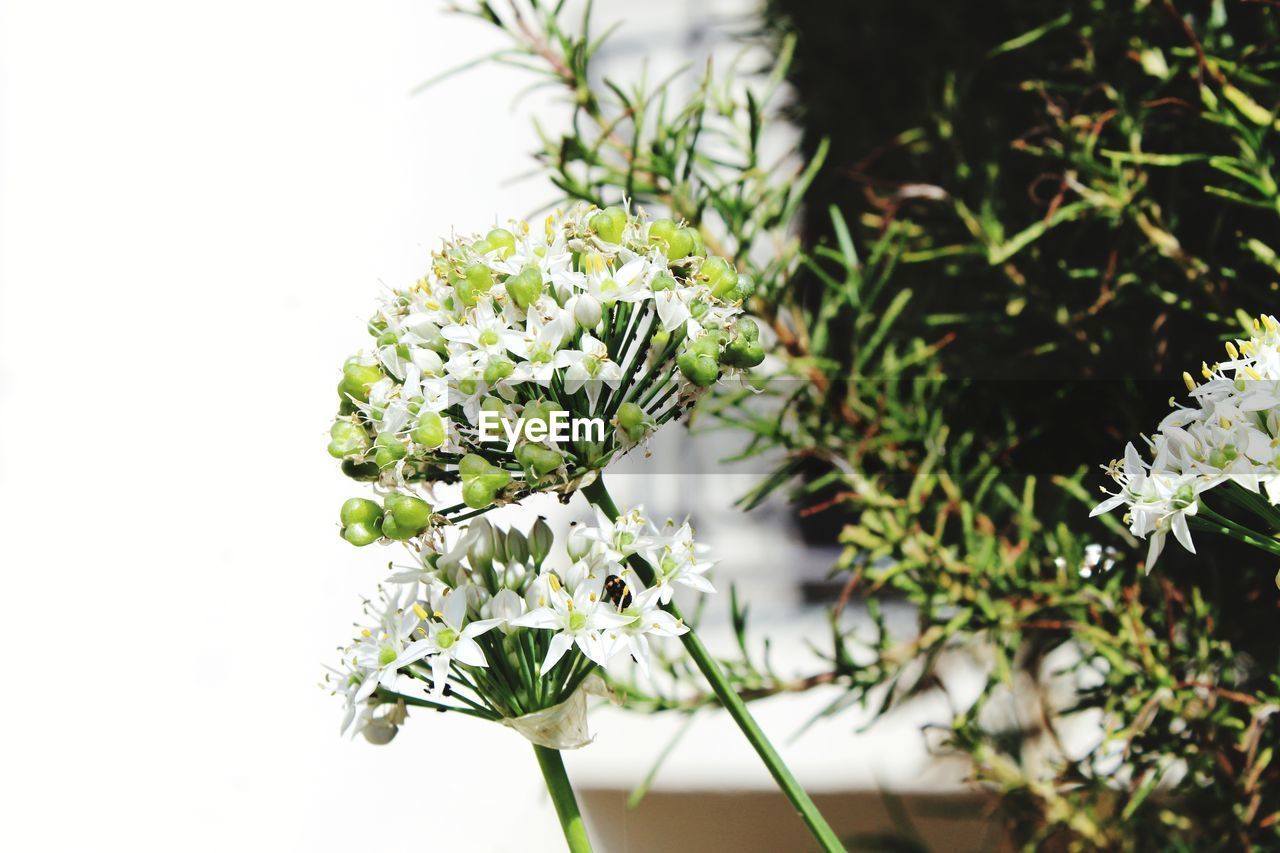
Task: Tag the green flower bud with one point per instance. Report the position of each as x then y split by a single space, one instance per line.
517 547
347 439
498 543
663 281
406 516
537 460
540 541
357 378
480 551
430 430
502 240
525 286
577 545
388 450
482 247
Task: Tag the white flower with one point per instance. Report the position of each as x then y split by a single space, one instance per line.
382 651
450 640
581 618
590 365
648 620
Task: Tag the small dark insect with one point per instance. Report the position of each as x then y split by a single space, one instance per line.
615 590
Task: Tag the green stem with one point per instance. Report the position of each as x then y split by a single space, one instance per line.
729 698
575 833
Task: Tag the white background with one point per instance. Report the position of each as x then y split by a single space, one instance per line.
198 202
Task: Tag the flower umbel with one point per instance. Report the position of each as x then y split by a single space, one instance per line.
598 314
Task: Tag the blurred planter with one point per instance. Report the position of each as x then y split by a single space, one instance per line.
763 822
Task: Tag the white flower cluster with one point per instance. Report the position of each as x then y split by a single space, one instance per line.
1231 435
487 626
597 315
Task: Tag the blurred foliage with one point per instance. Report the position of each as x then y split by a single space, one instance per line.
1006 225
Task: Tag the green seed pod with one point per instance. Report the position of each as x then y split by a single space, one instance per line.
498 369
699 361
358 377
681 244
502 240
363 471
361 534
538 461
478 493
719 275
388 450
663 281
540 541
744 349
361 521
359 511
525 287
430 430
743 290
472 466
410 515
347 439
661 233
609 224
477 281
482 247
633 421
496 477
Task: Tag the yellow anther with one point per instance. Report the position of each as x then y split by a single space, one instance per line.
1205 371
1251 373
1270 323
1246 347
1224 423
1232 351
1190 383
421 614
554 582
364 632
